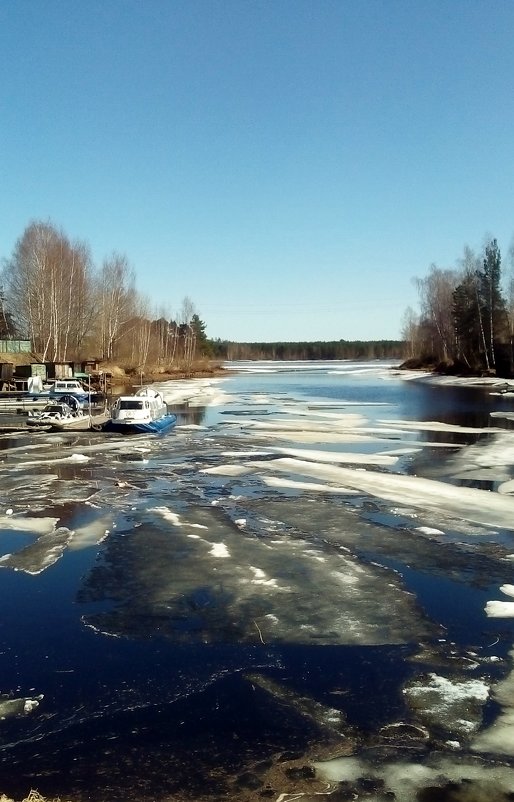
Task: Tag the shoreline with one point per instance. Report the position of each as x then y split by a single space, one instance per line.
180 375
431 377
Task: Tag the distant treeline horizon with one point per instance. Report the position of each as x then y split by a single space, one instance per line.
334 349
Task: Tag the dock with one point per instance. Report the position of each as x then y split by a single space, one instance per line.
9 402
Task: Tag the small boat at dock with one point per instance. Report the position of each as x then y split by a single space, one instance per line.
145 412
73 388
68 391
55 413
58 416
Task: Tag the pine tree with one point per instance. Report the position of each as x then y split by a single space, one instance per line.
493 306
466 318
203 345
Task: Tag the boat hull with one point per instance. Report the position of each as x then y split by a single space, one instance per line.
148 427
82 423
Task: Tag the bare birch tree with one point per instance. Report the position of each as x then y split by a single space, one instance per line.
141 334
48 281
58 300
187 311
436 293
25 281
117 301
410 331
173 338
510 301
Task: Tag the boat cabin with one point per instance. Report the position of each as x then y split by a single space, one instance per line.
132 403
146 412
146 405
62 386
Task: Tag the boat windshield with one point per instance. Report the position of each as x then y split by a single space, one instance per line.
62 386
130 404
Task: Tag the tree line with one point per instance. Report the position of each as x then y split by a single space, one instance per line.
466 318
339 349
52 294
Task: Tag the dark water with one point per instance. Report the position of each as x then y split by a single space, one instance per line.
145 716
461 405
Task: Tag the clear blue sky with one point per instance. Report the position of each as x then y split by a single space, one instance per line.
288 165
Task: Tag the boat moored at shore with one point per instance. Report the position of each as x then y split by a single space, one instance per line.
68 391
145 412
55 413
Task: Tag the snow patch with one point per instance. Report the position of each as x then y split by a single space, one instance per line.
174 518
38 526
499 737
219 550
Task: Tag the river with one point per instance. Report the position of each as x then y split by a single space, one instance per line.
301 592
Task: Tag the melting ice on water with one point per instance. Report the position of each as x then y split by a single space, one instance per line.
265 529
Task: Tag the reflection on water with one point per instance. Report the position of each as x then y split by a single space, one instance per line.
187 415
463 406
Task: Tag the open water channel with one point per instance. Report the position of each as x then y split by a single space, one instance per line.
302 592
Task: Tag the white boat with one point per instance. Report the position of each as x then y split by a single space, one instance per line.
144 412
67 391
70 388
54 414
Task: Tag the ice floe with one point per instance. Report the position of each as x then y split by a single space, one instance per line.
24 523
338 457
506 487
11 707
472 504
174 518
219 550
501 609
404 780
56 460
216 579
454 705
499 736
434 426
261 561
200 392
91 534
428 530
41 554
349 421
227 470
343 404
305 487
